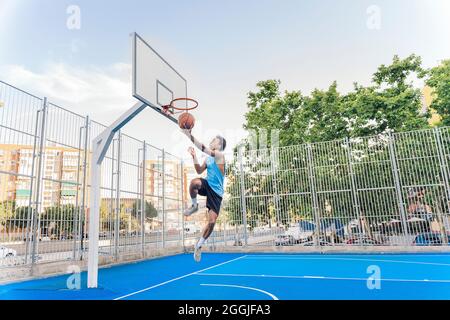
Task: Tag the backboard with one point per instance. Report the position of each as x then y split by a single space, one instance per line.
155 82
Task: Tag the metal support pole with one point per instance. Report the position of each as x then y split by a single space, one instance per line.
100 147
94 224
117 200
143 204
356 206
242 189
38 196
398 189
315 201
111 211
163 159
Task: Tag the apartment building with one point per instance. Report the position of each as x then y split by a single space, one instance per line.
59 173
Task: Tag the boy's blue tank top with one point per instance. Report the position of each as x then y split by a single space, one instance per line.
214 176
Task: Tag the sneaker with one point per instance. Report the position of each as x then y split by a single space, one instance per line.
197 254
191 210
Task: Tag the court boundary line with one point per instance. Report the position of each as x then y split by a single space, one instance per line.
316 277
177 278
274 297
294 257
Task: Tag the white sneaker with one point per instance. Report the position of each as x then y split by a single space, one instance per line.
197 254
191 210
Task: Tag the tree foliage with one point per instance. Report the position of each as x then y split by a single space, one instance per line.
150 210
389 104
439 81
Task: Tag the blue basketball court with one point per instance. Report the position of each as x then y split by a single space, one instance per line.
257 277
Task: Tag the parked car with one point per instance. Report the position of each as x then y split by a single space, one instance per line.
30 238
363 240
430 239
323 241
7 252
305 239
285 240
103 234
237 243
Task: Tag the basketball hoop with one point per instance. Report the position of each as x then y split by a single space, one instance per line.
172 108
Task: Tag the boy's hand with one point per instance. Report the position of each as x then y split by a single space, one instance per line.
191 151
187 132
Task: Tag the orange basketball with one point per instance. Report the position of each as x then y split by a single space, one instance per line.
186 121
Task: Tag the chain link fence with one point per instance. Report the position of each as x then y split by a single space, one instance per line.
385 190
44 187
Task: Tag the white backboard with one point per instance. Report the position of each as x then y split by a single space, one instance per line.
155 81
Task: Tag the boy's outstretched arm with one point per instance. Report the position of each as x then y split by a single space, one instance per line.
198 144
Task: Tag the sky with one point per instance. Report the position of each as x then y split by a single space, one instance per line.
223 48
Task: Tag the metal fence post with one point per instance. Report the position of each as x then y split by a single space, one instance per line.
445 175
242 192
77 212
84 184
356 206
163 198
30 214
143 204
38 204
224 234
398 189
315 202
276 195
117 200
182 203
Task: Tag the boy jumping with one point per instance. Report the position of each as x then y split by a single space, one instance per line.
211 187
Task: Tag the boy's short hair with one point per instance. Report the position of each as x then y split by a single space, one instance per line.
223 142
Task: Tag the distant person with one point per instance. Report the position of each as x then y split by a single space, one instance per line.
417 207
211 187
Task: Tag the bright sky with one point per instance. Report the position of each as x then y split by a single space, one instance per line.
222 47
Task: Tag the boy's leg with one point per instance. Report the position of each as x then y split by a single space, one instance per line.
194 187
212 217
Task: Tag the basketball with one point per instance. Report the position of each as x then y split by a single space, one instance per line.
186 121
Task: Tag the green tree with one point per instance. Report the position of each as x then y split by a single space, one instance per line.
439 81
58 220
7 210
390 104
21 217
150 210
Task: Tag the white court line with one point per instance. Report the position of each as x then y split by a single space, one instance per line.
344 259
274 297
314 277
179 278
331 253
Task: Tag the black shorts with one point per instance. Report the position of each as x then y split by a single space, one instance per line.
213 200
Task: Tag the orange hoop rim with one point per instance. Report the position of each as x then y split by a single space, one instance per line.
185 109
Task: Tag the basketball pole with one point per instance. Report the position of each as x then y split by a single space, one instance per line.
100 146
